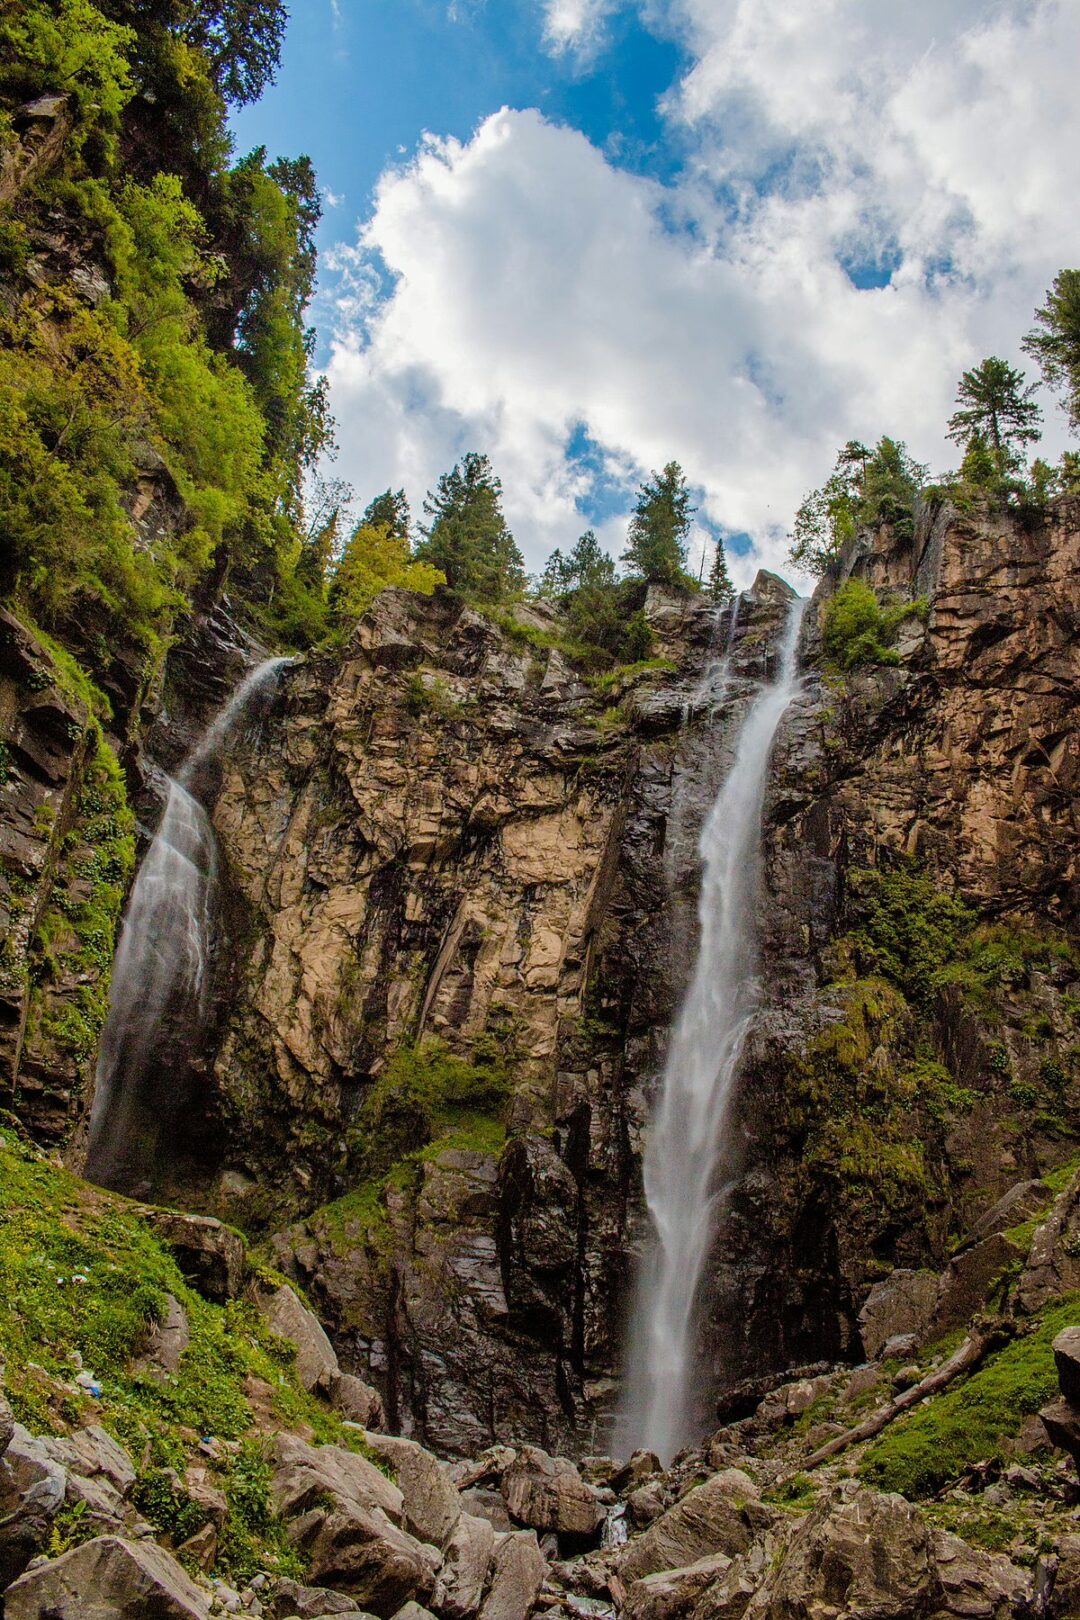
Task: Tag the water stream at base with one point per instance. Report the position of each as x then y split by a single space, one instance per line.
684 1147
159 995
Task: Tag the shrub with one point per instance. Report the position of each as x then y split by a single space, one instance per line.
857 630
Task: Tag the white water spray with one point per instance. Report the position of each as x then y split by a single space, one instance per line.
684 1148
158 997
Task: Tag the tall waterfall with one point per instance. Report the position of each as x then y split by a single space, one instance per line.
685 1143
158 1000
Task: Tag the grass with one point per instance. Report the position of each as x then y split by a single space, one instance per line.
81 1272
973 1421
627 674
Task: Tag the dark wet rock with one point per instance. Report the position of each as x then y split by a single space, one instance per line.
210 1254
902 1303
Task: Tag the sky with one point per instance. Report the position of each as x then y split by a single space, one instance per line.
589 237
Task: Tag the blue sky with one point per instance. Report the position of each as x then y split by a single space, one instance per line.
588 236
360 81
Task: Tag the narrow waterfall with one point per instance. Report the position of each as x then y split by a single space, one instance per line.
159 996
684 1148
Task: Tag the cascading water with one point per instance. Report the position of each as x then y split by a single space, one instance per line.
158 1000
684 1148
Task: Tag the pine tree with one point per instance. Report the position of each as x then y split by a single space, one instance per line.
390 510
1056 346
656 542
720 587
996 408
468 538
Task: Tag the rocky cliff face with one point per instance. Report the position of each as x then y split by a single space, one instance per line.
458 874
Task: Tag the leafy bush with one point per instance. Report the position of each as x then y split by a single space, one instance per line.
857 630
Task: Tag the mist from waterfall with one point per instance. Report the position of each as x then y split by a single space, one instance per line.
684 1152
159 994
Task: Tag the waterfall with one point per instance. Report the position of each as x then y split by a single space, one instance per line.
159 995
685 1144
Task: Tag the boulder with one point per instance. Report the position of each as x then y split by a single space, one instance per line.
484 1503
431 1502
673 1592
167 1340
1021 1203
859 1554
706 1521
309 1602
304 1473
316 1360
466 1558
32 1489
547 1493
1053 1261
1062 1424
345 1516
968 1280
108 1579
1067 1361
516 1578
357 1401
413 1611
210 1254
902 1302
975 1583
1062 1575
92 1453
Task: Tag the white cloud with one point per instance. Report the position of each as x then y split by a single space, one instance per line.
575 25
535 287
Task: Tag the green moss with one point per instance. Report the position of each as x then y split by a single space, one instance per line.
74 942
972 1421
630 674
425 1092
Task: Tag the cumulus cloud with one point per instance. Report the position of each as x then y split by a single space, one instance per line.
517 292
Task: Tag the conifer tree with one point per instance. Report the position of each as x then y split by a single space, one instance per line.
996 408
720 587
389 510
468 538
1055 341
656 542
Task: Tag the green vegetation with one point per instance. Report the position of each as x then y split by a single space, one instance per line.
995 418
467 540
865 489
656 542
426 1092
71 949
972 1421
187 365
82 1278
906 927
603 614
1055 341
720 587
375 556
857 630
